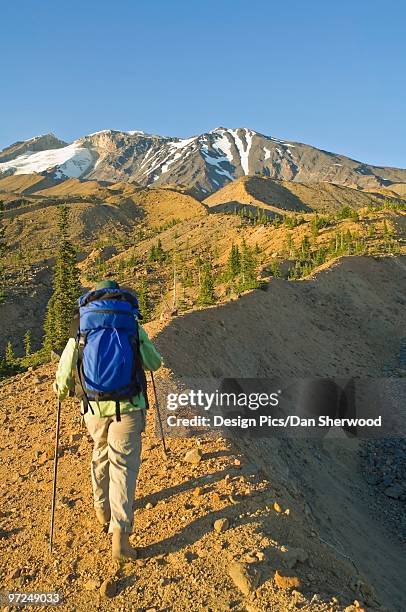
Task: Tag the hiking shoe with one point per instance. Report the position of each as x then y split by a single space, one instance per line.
121 549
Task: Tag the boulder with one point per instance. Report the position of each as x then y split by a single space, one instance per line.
286 582
244 577
194 456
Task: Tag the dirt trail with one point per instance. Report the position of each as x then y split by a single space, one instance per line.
184 563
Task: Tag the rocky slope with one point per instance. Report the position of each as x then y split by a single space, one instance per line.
260 556
203 163
266 525
345 322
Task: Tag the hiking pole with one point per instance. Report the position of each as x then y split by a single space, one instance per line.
159 414
58 418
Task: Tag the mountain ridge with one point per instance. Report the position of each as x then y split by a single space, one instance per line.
203 163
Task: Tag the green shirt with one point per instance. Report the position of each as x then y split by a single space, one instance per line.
151 360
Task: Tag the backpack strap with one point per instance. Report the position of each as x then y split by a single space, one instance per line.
118 415
141 380
79 366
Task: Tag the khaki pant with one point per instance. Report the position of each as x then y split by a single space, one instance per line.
115 464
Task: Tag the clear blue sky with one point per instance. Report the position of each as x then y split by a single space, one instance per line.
331 74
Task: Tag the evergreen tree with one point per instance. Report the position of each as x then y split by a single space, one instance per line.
248 268
9 356
27 343
317 223
233 263
156 252
388 230
262 217
144 300
206 292
199 265
66 289
290 247
152 253
347 212
275 269
187 278
320 256
305 246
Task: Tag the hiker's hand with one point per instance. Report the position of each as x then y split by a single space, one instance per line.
55 388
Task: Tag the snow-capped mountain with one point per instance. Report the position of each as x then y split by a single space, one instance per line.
203 163
39 143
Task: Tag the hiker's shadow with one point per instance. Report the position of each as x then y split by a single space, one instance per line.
191 533
195 481
6 534
219 453
239 514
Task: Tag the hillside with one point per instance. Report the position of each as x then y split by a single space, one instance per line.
164 206
329 323
116 226
202 163
75 187
277 247
100 213
280 196
24 183
318 313
399 188
353 318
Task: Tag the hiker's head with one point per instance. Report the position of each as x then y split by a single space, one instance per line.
107 284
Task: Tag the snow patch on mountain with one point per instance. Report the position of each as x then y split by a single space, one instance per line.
100 132
216 162
243 148
146 158
223 145
72 161
176 152
150 171
181 144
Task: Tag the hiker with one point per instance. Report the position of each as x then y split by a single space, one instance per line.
104 360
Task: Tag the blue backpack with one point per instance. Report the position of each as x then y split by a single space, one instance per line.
109 366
